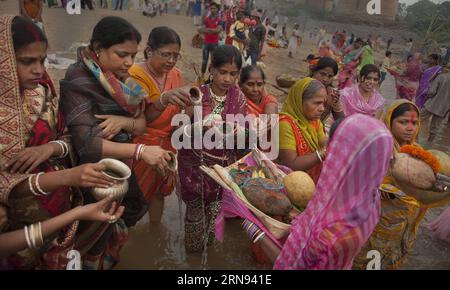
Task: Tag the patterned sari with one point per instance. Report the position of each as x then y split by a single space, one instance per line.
28 120
395 234
87 89
346 205
159 132
200 192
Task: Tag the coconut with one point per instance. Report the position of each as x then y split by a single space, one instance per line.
300 188
444 160
412 172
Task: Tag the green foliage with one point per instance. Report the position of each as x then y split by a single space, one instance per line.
430 20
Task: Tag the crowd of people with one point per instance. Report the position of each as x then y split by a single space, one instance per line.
109 106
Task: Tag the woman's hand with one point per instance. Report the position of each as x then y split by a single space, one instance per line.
178 97
105 210
156 156
89 175
3 218
114 124
29 158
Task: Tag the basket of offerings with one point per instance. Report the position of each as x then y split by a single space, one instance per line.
285 81
267 194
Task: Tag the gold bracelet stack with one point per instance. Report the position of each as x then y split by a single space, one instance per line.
34 236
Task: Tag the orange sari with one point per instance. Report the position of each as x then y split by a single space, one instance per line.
302 145
159 132
257 109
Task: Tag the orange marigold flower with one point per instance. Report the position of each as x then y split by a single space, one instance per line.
423 155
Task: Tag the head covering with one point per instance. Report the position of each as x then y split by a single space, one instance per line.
345 207
293 107
387 119
12 134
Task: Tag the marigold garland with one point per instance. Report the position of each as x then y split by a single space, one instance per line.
423 155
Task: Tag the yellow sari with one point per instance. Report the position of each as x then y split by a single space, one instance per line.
395 235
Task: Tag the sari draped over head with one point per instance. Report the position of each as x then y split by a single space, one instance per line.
88 89
159 132
307 133
354 103
346 205
29 119
193 182
408 82
395 234
425 82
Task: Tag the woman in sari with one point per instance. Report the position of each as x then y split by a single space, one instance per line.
407 83
302 136
401 211
346 203
352 59
104 109
36 182
367 56
162 81
325 71
202 195
428 76
363 97
252 83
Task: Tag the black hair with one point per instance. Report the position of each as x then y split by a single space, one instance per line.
326 62
25 32
160 37
334 127
359 39
367 69
112 30
435 56
246 71
226 54
388 53
214 4
403 108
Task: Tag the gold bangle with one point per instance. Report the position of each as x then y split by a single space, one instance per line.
36 235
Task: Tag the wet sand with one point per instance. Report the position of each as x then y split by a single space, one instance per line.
162 247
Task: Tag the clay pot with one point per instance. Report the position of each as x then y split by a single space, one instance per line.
195 96
120 173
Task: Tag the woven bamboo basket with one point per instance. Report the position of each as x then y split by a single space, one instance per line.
221 175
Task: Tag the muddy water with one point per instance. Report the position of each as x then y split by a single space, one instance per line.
162 247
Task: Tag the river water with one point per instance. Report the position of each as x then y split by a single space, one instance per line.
162 247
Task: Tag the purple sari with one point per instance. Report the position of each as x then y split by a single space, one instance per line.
428 76
194 183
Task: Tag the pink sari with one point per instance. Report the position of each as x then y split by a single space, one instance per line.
354 103
407 84
345 207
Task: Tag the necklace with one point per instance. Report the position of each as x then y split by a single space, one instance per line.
155 78
218 99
